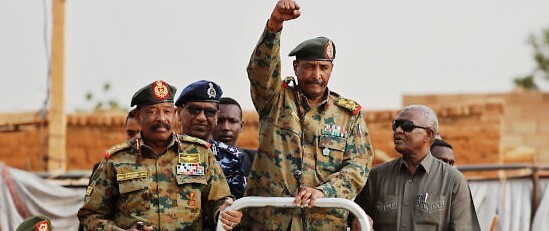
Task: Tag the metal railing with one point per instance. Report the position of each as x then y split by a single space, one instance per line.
287 202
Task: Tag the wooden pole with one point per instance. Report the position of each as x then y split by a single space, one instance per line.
57 125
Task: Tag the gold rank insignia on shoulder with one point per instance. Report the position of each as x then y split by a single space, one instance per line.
192 139
350 105
287 81
89 190
131 175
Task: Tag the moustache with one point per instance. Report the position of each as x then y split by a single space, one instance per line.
159 125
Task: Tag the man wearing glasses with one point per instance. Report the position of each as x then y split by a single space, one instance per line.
198 109
417 191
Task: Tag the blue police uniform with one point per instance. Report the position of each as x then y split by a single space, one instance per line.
235 164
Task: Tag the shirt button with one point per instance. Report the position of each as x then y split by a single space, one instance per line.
406 203
410 181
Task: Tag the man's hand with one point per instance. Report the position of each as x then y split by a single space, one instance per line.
229 218
355 225
284 10
307 194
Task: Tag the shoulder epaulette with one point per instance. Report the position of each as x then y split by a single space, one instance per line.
348 104
192 139
116 148
287 81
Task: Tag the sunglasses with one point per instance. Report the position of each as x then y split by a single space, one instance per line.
196 110
406 125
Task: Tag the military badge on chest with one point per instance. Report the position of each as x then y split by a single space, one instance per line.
330 132
189 164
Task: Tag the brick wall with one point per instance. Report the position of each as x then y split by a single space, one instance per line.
456 122
524 124
89 135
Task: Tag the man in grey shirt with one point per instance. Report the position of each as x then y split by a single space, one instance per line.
417 191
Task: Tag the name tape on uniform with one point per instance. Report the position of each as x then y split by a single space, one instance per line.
131 175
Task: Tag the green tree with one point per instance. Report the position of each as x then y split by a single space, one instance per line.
98 104
540 44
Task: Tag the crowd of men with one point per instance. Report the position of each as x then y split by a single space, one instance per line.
313 143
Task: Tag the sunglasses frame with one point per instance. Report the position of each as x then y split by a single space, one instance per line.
196 110
406 125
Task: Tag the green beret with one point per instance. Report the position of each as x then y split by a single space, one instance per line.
38 222
320 48
154 93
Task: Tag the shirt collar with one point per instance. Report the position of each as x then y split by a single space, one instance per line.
425 163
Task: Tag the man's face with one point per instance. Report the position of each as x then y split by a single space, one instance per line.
132 128
313 76
156 121
409 139
229 124
443 153
198 119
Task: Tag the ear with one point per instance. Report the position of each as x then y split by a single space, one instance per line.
430 138
295 66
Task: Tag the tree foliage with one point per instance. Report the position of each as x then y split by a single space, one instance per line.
100 103
540 44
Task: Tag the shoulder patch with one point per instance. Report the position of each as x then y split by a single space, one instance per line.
288 80
192 139
116 148
348 104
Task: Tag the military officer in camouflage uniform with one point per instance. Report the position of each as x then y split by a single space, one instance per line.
198 109
312 142
164 181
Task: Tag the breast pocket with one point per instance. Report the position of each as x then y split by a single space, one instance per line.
134 195
188 199
330 152
431 211
386 211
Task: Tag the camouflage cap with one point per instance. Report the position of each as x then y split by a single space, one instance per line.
320 48
156 92
38 223
203 90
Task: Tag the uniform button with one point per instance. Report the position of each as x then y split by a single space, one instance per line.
410 181
406 203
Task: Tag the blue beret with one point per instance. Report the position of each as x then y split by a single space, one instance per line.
319 48
203 90
156 92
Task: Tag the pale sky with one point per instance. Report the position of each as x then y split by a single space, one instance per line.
384 48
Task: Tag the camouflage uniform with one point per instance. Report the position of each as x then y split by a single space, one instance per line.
232 160
329 145
133 184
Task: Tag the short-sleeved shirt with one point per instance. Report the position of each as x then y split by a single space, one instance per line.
328 145
169 191
436 197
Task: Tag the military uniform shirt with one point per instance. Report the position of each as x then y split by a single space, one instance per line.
235 165
328 144
131 186
436 197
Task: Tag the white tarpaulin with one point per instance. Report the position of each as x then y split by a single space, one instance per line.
24 194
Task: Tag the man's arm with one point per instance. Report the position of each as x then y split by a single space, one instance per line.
462 210
99 204
264 66
349 180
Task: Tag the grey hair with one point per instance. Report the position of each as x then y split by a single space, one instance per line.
428 114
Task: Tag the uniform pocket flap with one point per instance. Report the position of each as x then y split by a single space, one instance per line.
332 142
132 185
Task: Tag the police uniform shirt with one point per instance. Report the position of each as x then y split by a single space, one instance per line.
232 160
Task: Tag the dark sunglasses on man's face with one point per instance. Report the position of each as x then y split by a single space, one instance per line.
196 110
406 125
